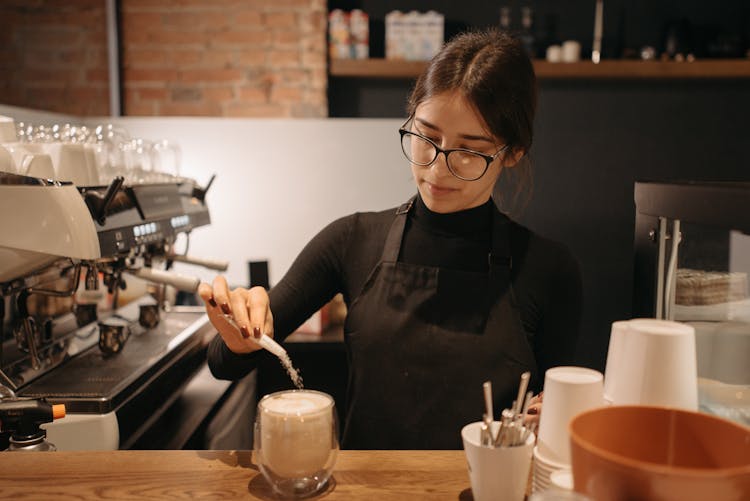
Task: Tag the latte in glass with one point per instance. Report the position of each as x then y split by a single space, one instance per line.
296 440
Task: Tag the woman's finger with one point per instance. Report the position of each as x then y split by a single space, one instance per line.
533 414
206 293
259 307
221 294
238 297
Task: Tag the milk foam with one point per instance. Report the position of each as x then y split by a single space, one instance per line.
296 403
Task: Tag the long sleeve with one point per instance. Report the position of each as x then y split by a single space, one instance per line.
316 275
549 292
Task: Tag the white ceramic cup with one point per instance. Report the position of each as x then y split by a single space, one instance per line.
567 392
70 162
7 130
7 164
659 365
92 164
37 165
296 441
554 54
571 51
499 472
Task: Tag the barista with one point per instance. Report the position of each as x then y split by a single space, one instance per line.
443 292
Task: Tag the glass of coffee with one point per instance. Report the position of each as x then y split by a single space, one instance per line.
296 441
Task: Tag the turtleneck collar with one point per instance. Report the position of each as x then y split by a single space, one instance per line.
469 221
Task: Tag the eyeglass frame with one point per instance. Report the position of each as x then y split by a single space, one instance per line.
438 150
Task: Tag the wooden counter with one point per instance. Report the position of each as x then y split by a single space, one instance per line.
153 475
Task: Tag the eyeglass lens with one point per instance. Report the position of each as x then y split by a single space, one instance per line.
462 164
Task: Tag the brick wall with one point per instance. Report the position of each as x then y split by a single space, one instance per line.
258 58
255 58
54 58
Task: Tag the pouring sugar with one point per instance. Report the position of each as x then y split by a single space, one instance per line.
269 344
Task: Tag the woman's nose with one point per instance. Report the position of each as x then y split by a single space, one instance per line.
440 165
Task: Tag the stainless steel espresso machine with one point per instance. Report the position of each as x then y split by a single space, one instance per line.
67 254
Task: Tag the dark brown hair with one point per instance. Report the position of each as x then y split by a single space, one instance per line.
493 71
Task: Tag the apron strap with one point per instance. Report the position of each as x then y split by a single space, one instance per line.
392 245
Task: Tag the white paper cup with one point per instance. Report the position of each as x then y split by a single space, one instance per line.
567 392
499 472
615 352
562 479
659 365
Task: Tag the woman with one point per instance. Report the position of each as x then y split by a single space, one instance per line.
444 292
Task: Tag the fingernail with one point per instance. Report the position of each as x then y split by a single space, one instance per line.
256 332
245 332
212 301
225 308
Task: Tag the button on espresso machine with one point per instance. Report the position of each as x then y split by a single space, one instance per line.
116 367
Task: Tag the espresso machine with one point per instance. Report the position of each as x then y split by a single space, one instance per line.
67 256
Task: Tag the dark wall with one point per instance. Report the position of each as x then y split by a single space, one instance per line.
592 141
595 138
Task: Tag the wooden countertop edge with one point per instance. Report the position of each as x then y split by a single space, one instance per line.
358 475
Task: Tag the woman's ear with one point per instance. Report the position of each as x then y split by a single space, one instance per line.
512 158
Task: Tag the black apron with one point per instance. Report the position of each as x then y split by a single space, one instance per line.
421 341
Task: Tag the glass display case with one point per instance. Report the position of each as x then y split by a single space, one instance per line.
692 260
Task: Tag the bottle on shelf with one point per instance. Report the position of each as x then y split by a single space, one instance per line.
505 24
527 30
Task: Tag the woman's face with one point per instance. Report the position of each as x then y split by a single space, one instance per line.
451 122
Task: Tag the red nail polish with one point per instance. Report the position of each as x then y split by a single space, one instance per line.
256 332
245 333
225 308
212 301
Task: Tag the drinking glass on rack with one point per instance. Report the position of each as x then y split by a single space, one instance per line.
109 152
167 157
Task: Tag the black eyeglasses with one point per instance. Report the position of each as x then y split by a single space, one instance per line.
465 164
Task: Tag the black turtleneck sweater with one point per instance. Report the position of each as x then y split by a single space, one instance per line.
546 279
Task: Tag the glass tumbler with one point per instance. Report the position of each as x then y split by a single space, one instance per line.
296 441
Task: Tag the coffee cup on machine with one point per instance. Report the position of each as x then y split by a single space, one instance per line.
148 315
113 334
85 313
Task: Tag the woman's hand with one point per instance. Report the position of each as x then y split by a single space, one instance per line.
534 411
240 315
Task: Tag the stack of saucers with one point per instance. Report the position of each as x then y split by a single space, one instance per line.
543 468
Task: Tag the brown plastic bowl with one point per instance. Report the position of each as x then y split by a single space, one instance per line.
656 453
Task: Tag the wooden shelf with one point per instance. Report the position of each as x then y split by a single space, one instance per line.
703 69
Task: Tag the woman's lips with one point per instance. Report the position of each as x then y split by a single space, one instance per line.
436 190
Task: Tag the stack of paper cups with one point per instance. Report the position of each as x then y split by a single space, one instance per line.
568 391
652 362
